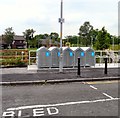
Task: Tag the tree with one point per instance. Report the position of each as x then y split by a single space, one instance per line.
72 39
103 40
68 38
85 33
28 34
38 40
9 36
116 40
45 36
94 34
54 36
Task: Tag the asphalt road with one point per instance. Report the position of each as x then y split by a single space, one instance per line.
73 99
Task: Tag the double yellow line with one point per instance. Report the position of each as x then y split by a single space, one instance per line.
104 82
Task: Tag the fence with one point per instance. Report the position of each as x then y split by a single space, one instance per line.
32 57
113 56
99 57
11 57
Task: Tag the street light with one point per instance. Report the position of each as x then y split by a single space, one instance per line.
61 21
91 41
113 43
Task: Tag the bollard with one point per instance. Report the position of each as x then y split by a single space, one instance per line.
78 66
105 72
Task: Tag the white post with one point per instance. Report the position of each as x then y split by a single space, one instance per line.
22 55
29 57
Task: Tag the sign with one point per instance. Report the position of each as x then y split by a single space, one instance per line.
92 54
71 54
35 112
82 54
58 54
47 54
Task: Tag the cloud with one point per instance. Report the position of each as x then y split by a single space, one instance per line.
42 15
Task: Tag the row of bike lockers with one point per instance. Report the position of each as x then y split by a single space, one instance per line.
50 57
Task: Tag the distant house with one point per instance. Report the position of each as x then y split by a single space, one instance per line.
19 42
49 43
3 44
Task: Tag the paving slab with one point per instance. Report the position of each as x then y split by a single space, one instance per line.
52 75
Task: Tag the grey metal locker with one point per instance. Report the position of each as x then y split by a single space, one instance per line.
43 57
68 57
89 58
55 54
78 52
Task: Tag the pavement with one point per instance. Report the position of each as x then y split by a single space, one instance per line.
33 75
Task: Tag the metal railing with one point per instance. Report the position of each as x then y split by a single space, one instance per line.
32 57
99 56
113 56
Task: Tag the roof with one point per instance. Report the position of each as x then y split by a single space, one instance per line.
85 48
64 48
74 48
53 48
45 41
43 47
17 37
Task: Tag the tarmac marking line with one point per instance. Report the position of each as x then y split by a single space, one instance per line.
93 87
104 82
27 116
102 93
62 104
108 96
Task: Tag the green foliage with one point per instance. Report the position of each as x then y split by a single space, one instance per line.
54 36
88 36
74 40
116 47
85 33
36 41
12 62
13 57
103 40
8 36
28 34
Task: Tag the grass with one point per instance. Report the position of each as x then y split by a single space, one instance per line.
116 47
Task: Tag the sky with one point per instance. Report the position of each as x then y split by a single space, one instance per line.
42 15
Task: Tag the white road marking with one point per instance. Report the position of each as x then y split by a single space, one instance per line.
19 113
108 96
27 116
62 104
93 87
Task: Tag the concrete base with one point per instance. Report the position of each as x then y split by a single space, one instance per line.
101 65
109 65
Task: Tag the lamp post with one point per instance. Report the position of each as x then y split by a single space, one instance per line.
61 21
113 43
91 41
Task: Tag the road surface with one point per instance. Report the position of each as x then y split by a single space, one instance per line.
66 99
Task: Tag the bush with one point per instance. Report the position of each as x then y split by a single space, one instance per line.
12 62
12 57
